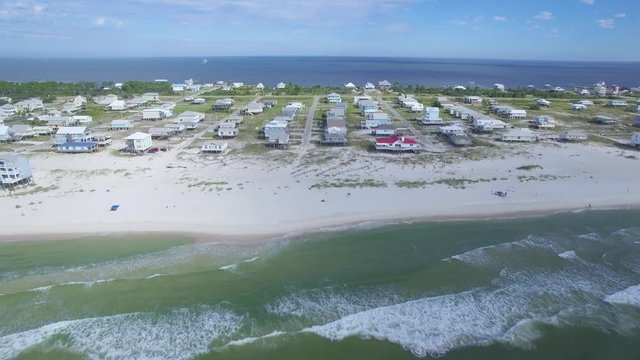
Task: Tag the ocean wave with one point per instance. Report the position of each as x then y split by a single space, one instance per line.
628 296
231 267
251 340
179 334
569 255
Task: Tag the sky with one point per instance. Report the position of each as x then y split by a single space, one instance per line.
492 29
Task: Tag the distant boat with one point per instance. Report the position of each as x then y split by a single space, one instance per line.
204 61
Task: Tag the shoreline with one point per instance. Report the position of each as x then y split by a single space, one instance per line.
299 233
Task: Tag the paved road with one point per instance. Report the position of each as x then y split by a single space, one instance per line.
419 135
306 137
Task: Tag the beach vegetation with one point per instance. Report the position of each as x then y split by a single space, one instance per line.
529 167
349 183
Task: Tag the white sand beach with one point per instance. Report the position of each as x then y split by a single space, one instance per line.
286 192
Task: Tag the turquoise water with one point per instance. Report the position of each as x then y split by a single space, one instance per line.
565 286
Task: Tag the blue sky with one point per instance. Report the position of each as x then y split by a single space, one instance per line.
497 29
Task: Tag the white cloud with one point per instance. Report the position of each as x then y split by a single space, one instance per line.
21 9
606 23
588 2
102 21
544 15
500 18
620 15
396 27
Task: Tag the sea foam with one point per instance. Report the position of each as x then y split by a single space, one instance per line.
628 296
179 334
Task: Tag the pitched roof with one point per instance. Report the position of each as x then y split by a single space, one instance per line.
393 139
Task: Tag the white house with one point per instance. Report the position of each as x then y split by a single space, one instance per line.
349 86
198 101
72 134
14 170
614 102
369 86
357 98
578 107
296 104
635 139
105 99
156 114
543 102
518 114
334 98
121 124
375 119
82 119
177 128
227 129
585 102
585 92
499 87
519 135
30 105
178 87
277 132
260 86
21 131
432 116
138 142
190 117
473 100
572 135
544 122
7 110
455 129
118 105
253 108
215 147
6 134
384 85
237 85
281 85
397 143
488 125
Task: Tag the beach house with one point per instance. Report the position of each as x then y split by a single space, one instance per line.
384 130
260 86
616 103
222 104
14 170
473 100
270 103
572 135
604 120
6 134
369 86
335 131
367 106
253 108
120 124
21 131
198 101
517 114
138 142
156 114
151 97
118 105
160 133
543 102
397 144
81 119
432 116
384 85
228 129
488 125
72 134
105 99
585 102
190 117
334 98
7 110
349 86
277 133
635 139
499 87
519 135
374 119
177 128
214 147
42 130
544 122
578 107
178 87
29 105
281 86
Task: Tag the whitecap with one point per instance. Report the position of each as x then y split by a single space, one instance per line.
251 340
231 267
570 255
628 296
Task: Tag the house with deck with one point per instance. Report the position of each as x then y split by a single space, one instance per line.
397 144
431 116
635 139
190 117
519 135
21 131
277 133
14 170
151 97
29 105
6 134
335 131
227 129
82 120
369 86
604 120
138 142
384 130
156 114
222 105
367 106
214 147
384 85
473 100
572 135
120 124
374 119
517 114
544 122
72 134
349 86
105 99
7 110
578 107
543 102
334 98
161 133
488 125
118 105
253 108
617 103
585 102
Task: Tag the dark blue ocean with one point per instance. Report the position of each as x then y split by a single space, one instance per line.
330 71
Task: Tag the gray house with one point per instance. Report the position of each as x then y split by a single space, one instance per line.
14 170
277 133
